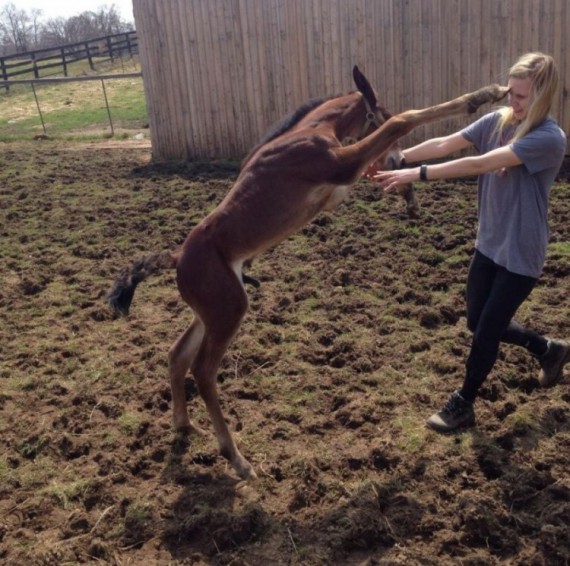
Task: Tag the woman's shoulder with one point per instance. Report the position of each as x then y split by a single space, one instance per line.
549 128
547 138
484 123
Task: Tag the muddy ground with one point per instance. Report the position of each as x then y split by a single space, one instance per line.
356 335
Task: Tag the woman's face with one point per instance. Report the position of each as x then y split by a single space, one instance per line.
520 96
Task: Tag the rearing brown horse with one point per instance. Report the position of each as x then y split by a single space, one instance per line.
297 172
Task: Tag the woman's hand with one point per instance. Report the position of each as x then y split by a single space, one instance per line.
389 180
372 170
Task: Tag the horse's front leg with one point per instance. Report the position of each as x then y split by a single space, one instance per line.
466 104
357 157
412 204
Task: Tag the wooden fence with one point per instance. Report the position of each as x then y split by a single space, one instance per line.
219 73
45 62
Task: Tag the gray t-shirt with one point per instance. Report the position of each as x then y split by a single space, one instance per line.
513 207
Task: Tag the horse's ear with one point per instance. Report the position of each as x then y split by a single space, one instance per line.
364 86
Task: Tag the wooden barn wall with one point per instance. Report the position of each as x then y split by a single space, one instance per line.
219 73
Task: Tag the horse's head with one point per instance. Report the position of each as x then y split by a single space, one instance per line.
376 115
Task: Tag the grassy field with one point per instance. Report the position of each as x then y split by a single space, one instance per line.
76 110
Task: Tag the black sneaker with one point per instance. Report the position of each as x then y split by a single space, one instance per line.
457 413
552 363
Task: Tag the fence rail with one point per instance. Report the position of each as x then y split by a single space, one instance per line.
37 62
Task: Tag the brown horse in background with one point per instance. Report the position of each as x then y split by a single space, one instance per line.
299 170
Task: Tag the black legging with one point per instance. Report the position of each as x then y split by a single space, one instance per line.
493 297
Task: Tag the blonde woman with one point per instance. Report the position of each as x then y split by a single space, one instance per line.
520 150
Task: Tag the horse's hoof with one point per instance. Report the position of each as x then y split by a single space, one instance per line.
244 469
248 475
413 213
187 428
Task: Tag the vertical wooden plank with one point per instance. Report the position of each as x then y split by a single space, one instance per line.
250 69
565 73
343 30
211 27
392 84
200 85
217 58
359 42
558 52
553 23
163 69
241 115
326 42
519 35
270 54
441 65
190 129
485 49
178 88
265 97
298 24
399 55
228 62
288 72
313 43
258 22
335 51
545 35
290 58
319 73
427 78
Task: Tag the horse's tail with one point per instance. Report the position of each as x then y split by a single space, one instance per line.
123 290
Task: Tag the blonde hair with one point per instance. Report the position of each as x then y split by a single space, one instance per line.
543 74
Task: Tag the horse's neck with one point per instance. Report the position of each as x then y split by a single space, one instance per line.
343 115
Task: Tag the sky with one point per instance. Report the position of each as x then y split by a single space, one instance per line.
67 8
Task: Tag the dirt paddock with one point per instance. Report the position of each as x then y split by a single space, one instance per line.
356 335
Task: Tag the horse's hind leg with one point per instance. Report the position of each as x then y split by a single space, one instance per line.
180 357
221 311
205 372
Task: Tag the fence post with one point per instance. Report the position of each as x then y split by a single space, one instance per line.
4 73
110 47
39 109
64 61
108 109
35 66
92 67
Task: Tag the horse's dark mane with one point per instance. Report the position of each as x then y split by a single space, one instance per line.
287 123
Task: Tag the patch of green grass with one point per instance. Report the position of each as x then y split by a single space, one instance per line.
34 474
75 110
138 511
64 492
562 248
522 421
5 471
31 447
413 434
129 422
